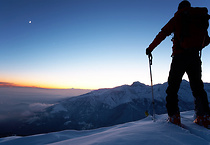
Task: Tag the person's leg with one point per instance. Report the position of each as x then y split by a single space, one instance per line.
196 84
174 80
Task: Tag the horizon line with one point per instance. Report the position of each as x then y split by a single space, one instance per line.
11 85
15 85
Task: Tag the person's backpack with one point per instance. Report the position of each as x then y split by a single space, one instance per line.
193 24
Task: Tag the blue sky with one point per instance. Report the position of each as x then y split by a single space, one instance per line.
86 44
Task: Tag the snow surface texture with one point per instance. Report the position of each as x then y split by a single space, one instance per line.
144 132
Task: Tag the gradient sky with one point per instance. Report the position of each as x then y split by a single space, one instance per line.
87 44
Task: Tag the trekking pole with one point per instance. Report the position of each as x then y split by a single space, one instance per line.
153 101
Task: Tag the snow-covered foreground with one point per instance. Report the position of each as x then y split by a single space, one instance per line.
144 132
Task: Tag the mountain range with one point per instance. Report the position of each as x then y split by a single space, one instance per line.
105 107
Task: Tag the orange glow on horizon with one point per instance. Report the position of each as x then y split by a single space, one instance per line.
44 86
51 86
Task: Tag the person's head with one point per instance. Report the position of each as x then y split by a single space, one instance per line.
184 4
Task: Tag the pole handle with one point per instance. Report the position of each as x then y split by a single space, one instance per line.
150 58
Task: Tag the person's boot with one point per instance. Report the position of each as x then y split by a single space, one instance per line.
175 119
203 121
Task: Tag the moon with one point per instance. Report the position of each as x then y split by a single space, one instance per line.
29 22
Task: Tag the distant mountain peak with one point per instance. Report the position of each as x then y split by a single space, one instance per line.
136 84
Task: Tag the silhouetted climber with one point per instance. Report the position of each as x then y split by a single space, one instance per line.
189 26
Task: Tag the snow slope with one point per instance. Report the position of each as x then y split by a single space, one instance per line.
139 132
